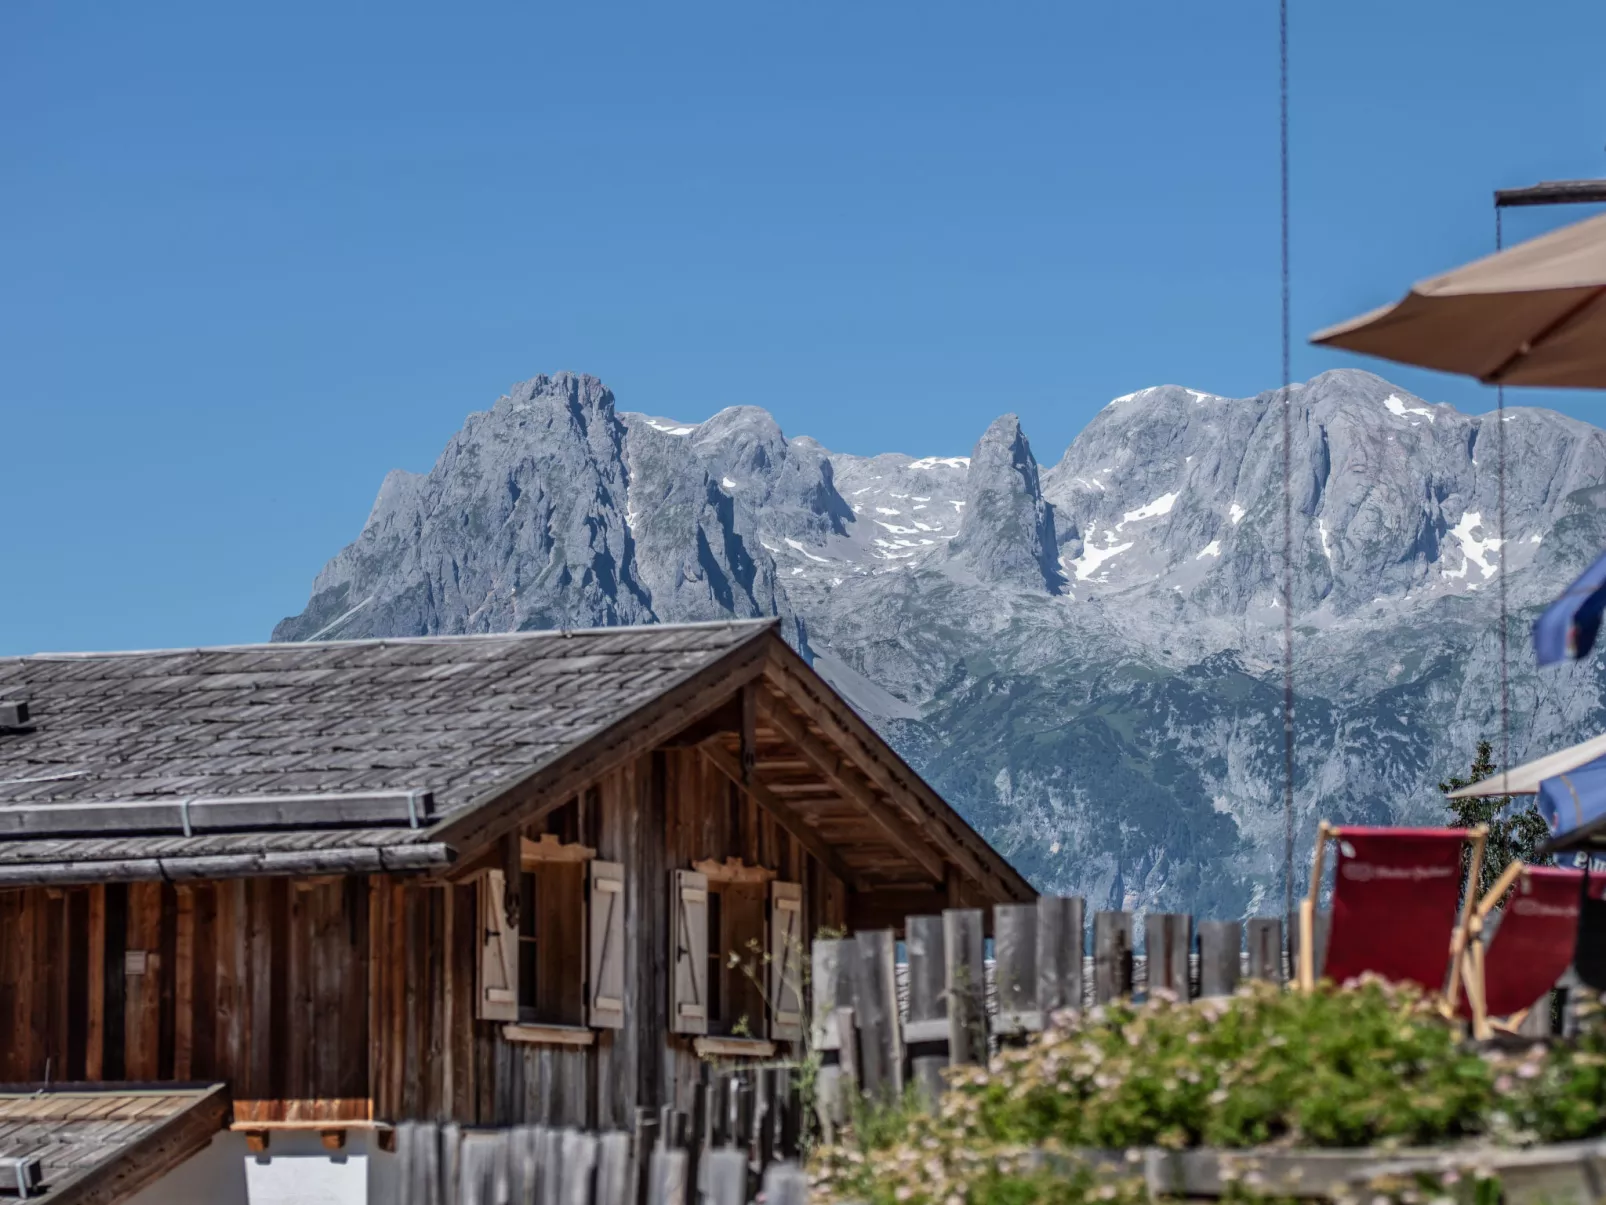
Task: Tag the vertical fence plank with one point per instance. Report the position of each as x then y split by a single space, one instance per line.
785 1184
875 1012
1015 969
1112 956
666 1177
451 1153
831 990
1220 943
408 1160
579 1168
727 1178
925 1032
614 1182
1168 940
549 1165
965 982
1266 948
475 1168
646 1140
522 1163
1060 922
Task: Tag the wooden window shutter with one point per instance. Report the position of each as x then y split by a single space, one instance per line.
499 952
688 953
606 942
786 961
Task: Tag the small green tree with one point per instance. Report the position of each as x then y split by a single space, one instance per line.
1513 832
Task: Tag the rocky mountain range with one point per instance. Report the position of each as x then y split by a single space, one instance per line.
1086 659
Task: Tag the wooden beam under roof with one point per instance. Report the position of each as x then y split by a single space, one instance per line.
721 759
845 779
957 840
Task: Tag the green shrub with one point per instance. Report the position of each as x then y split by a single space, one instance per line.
1371 1064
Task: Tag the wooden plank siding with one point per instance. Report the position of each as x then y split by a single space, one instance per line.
352 998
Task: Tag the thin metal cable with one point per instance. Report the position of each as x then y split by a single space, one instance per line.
1288 505
1500 519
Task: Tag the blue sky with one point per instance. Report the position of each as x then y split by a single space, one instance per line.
254 256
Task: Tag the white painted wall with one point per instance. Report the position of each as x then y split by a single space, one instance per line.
294 1170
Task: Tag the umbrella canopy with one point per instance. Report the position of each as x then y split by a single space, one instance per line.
1574 805
1531 315
1569 625
1525 779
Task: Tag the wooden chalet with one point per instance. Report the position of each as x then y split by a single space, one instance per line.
491 879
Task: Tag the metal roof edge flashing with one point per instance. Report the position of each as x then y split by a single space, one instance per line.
190 816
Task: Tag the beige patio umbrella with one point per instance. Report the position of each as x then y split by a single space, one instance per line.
1525 779
1534 314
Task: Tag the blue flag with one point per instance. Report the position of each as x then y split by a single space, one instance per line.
1569 626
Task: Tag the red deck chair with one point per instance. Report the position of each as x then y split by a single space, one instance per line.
1397 907
1532 948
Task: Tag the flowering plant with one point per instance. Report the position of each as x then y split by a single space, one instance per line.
1369 1064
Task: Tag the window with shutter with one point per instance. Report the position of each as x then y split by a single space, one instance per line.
554 934
786 961
688 954
607 946
498 961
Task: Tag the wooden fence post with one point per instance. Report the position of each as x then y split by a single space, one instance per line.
667 1177
410 1141
1015 969
523 1163
1060 921
1112 956
1266 948
549 1165
965 983
614 1185
727 1178
646 1142
785 1184
925 1032
579 1168
451 1154
475 1169
875 1012
831 991
1220 943
1168 941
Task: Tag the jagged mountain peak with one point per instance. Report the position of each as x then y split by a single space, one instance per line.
1007 533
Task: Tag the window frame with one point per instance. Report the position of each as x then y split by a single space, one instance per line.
535 856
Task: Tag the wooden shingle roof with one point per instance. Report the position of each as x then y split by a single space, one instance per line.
103 1142
458 717
276 758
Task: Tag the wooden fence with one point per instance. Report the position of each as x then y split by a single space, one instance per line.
882 1024
742 1134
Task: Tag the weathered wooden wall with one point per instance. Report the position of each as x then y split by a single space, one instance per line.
354 998
258 982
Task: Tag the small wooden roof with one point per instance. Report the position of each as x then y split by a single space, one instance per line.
104 1142
375 755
